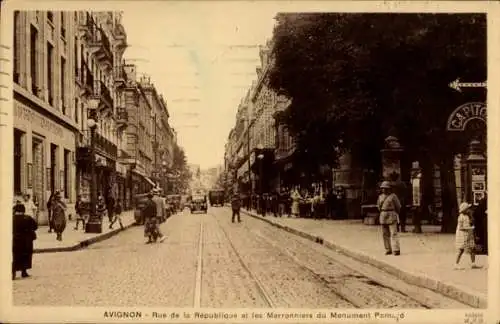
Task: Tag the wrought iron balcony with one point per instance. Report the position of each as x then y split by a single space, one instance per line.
100 47
102 91
120 77
102 145
121 117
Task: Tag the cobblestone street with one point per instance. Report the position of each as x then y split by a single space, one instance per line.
248 264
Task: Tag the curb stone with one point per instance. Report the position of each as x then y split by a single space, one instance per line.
85 243
447 290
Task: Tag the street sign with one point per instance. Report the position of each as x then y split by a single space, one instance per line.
457 85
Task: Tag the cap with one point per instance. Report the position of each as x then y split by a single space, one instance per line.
385 184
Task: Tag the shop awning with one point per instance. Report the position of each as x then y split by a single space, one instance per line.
142 175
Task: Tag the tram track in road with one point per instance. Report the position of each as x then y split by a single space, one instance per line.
360 284
290 285
258 284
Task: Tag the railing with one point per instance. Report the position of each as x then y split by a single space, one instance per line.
99 37
101 144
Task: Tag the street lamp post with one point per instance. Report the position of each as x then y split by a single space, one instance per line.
260 157
164 169
94 224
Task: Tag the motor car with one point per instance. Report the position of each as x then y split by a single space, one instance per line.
199 203
216 197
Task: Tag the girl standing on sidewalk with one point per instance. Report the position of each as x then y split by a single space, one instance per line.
464 236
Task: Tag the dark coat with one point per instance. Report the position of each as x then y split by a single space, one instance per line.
236 203
149 210
23 235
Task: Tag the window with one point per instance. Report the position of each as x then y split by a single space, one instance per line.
34 59
17 53
53 165
63 25
76 57
50 72
18 158
50 16
66 178
76 110
63 84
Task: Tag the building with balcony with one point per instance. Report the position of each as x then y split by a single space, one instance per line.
99 46
138 152
162 136
46 115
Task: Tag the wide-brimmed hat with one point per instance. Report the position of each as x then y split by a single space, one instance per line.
464 207
385 184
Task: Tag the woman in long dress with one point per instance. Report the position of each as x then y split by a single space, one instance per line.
295 202
23 234
59 215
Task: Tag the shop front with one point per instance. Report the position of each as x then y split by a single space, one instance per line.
44 155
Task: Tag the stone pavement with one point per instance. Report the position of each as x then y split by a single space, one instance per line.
426 259
76 239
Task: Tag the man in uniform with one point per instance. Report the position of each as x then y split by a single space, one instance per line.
401 191
389 206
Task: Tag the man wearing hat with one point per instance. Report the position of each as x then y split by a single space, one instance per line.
389 206
160 210
236 206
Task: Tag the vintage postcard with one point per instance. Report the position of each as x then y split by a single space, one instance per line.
249 161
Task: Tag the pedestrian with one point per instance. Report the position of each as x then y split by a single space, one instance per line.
49 211
464 236
160 212
389 207
79 210
118 214
295 196
110 207
480 218
23 234
101 207
401 190
236 206
149 212
59 215
30 207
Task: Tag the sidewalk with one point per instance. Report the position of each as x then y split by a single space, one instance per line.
426 259
77 239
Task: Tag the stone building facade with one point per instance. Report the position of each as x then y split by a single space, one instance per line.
46 120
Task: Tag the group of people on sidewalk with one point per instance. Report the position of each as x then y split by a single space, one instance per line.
300 202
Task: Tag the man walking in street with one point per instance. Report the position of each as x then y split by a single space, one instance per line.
236 206
389 207
160 211
401 191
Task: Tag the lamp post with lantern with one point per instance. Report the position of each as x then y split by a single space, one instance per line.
94 224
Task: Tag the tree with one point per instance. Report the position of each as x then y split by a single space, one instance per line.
180 171
356 78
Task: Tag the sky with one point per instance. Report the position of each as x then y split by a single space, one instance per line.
202 59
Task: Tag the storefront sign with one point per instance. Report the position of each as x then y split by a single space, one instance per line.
26 114
462 115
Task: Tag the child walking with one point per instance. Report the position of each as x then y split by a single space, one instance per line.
118 214
464 237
